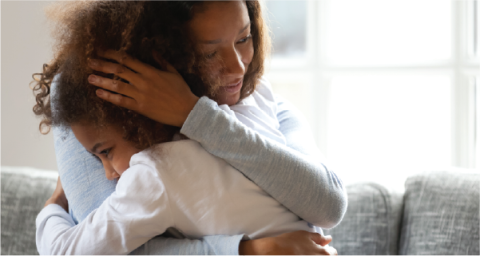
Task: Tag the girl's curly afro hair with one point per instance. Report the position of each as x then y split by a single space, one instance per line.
136 28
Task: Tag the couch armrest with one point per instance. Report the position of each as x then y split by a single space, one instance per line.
371 224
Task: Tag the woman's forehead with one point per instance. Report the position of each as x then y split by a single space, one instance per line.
217 20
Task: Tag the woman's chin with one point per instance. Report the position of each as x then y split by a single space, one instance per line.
228 99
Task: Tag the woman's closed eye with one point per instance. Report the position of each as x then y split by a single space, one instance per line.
245 39
241 41
211 55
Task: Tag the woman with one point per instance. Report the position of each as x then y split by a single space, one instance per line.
221 48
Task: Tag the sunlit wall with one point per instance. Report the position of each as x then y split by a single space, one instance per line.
26 46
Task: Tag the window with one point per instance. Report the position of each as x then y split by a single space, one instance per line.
390 87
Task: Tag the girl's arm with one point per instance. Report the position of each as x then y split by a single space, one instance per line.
127 219
295 175
86 187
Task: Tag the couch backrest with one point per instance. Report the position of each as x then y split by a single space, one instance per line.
24 192
441 214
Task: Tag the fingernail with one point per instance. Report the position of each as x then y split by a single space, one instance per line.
92 79
93 63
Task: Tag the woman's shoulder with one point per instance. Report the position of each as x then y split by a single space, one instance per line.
264 88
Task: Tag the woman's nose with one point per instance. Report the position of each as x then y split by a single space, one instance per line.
233 63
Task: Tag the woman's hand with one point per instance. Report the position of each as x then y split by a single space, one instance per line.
293 243
58 197
163 96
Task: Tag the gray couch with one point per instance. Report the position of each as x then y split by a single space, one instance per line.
438 213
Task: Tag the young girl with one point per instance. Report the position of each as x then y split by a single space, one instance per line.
273 167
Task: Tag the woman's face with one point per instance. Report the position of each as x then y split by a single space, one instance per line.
221 32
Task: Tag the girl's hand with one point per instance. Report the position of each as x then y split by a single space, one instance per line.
58 197
293 243
163 96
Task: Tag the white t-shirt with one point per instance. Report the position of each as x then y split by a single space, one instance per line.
176 184
259 112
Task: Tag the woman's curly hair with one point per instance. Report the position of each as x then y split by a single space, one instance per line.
136 28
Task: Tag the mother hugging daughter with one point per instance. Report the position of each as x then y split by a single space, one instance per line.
163 124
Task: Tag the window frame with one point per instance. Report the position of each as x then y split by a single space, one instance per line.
463 68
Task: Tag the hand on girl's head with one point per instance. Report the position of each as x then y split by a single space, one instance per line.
163 96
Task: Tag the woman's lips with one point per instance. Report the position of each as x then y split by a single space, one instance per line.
234 88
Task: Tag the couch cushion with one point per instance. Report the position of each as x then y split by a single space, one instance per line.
371 224
441 214
24 192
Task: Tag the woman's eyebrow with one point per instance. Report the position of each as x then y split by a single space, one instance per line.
243 29
211 41
219 40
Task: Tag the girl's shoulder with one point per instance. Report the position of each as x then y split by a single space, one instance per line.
161 152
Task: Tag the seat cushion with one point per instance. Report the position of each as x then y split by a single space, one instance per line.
371 224
24 192
441 214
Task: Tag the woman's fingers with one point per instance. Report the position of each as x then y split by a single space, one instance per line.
292 243
320 239
58 197
163 96
126 60
328 250
114 68
113 85
117 99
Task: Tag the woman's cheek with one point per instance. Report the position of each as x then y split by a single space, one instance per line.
247 54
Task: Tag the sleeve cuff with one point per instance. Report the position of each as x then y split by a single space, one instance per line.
53 210
225 245
197 117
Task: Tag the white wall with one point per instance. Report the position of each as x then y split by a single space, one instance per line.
25 47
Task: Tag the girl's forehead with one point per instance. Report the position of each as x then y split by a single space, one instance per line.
90 135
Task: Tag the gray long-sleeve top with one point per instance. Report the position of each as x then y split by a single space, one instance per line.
295 175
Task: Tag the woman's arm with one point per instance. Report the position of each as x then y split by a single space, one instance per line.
297 179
